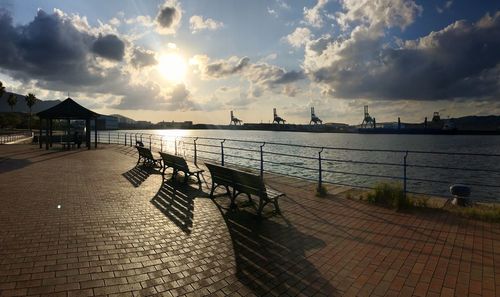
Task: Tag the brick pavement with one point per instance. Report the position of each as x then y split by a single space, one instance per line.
121 232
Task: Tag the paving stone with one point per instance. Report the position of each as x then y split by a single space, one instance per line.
121 230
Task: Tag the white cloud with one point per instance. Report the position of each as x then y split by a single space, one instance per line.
314 16
197 23
299 37
386 14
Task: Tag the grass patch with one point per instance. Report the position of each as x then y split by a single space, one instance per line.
490 213
389 195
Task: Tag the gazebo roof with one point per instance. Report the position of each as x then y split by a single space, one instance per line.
68 109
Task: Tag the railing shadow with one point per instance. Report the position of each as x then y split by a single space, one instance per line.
271 256
137 175
176 201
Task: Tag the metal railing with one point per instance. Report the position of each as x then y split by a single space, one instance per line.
8 137
420 172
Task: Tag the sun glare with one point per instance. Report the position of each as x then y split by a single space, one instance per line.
173 67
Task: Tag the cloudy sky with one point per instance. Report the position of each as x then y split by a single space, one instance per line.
197 60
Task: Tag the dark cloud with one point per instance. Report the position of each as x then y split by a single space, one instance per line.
168 18
145 97
224 68
289 77
48 48
109 47
460 61
142 58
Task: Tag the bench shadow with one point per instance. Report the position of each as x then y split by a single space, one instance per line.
271 256
9 164
137 175
176 201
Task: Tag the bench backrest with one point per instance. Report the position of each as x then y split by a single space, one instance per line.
174 161
249 183
240 180
221 175
144 152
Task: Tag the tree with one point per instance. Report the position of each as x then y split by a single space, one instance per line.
12 100
2 89
30 101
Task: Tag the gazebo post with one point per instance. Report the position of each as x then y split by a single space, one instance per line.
69 133
95 133
51 132
87 133
40 133
47 134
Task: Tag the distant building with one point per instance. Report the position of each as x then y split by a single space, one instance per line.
175 125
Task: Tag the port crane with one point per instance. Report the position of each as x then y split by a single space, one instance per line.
368 121
234 120
314 118
277 118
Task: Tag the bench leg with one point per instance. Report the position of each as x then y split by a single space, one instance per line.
261 207
276 206
212 191
233 198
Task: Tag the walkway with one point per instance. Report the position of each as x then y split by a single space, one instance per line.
120 232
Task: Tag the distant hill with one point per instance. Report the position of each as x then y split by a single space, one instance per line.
123 119
21 104
490 122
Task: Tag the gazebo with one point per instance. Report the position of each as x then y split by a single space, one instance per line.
67 110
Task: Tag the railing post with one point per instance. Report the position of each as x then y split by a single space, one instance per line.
161 144
404 173
320 172
149 142
222 152
262 160
175 146
195 153
125 137
130 139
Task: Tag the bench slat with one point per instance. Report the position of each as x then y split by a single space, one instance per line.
243 183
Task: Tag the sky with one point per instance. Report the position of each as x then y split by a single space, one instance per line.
198 60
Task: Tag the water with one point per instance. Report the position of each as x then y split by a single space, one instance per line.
344 166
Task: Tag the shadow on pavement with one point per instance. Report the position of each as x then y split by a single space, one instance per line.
137 175
271 256
176 201
8 164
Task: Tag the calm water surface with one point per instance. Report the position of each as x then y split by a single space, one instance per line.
341 165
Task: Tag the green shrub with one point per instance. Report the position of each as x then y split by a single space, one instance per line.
390 195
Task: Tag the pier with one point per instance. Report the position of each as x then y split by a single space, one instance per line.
90 223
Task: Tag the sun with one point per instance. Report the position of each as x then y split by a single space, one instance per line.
173 67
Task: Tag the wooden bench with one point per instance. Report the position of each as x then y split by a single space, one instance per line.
243 183
147 158
179 164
